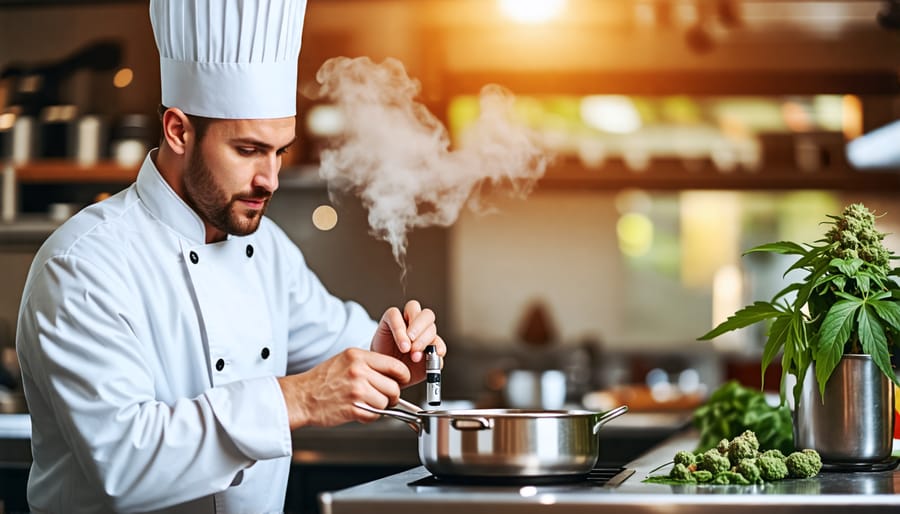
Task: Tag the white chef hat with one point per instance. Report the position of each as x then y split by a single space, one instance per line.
229 59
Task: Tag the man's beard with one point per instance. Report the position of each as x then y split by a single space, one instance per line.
214 205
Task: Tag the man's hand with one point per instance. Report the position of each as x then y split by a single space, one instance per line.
405 336
324 395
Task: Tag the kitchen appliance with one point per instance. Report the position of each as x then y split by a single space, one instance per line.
491 443
600 475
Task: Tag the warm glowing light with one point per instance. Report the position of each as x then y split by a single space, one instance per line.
547 499
610 113
324 217
828 112
851 116
7 120
796 116
710 235
727 297
325 121
532 11
123 77
635 233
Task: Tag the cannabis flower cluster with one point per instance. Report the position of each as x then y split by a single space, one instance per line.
739 462
856 237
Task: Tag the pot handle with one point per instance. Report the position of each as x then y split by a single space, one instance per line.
478 423
609 416
414 422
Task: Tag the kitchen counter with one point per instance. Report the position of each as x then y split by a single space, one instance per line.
328 459
15 439
830 492
15 426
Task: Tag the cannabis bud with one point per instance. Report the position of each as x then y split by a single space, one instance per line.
856 237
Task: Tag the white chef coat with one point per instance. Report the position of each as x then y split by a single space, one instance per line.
149 358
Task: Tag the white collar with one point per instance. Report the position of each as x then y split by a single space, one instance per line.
162 201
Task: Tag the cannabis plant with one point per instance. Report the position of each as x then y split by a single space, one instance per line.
848 303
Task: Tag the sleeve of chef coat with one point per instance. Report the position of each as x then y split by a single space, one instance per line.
92 370
320 324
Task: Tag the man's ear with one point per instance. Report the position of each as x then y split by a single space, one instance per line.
177 130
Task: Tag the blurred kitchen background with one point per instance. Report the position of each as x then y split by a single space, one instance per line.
685 132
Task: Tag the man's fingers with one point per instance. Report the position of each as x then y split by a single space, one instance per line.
410 312
411 309
397 325
388 366
387 388
419 324
364 416
381 377
440 346
425 339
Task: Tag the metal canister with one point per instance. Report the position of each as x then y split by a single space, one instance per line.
855 422
432 376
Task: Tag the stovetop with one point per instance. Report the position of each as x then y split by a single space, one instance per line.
600 476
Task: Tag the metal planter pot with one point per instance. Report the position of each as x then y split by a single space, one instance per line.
855 423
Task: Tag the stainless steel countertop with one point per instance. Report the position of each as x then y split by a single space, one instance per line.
828 493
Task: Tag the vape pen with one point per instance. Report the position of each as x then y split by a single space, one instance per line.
432 375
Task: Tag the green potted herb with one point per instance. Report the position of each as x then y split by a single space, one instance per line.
835 330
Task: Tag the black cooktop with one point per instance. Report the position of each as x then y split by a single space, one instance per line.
600 476
886 465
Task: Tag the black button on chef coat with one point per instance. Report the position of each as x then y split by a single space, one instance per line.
265 353
249 250
194 257
220 365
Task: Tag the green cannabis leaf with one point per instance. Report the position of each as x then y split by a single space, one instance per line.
732 409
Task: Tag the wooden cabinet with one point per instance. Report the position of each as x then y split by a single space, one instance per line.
35 186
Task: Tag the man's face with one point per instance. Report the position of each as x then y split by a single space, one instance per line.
232 173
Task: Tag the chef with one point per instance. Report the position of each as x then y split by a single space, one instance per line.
172 336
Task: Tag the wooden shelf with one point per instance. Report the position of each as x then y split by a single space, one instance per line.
66 171
676 176
566 174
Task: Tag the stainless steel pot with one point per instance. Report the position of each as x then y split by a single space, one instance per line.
505 442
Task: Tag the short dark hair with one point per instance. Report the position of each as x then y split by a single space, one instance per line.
199 123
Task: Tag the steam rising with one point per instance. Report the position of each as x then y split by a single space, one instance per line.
396 155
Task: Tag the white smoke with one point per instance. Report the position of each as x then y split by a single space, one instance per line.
396 155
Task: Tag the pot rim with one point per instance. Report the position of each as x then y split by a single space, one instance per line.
509 413
864 356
